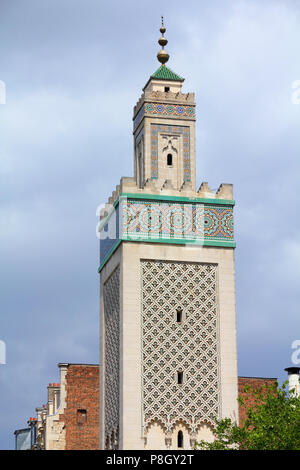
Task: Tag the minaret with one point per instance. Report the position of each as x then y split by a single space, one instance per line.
168 362
164 129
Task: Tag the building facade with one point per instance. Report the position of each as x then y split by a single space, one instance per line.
253 383
81 425
168 361
70 419
25 439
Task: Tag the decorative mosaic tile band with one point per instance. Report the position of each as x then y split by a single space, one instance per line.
170 109
161 109
157 219
166 221
181 130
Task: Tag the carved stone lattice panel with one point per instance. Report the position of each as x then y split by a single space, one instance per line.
190 346
111 298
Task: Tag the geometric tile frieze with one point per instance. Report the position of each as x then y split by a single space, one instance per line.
167 221
166 110
190 221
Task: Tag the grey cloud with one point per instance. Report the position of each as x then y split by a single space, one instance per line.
73 72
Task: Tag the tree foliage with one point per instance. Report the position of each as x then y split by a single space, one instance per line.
272 422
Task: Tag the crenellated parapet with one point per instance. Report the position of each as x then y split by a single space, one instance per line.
225 191
128 185
166 215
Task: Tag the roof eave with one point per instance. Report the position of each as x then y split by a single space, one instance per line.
163 80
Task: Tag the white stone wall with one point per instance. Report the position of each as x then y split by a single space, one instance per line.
129 256
111 266
55 433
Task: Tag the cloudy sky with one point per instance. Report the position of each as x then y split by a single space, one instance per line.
73 72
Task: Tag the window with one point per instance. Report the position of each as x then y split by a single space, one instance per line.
167 88
140 165
81 417
180 439
180 378
169 159
179 315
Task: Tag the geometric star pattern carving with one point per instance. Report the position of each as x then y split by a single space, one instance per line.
190 346
111 311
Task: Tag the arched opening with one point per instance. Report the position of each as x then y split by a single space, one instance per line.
155 436
180 440
169 159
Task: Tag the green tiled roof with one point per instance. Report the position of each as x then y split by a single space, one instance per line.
166 74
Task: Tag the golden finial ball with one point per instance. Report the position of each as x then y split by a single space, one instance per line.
162 41
163 57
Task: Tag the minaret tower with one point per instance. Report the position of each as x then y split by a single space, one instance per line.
164 129
168 362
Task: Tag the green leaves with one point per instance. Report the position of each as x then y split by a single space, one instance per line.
272 422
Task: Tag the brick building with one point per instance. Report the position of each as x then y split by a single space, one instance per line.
70 420
81 416
254 383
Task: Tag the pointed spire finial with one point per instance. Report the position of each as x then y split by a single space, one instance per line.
162 56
